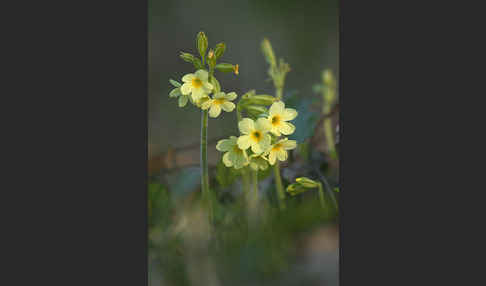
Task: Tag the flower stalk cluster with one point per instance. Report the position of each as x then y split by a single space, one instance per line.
203 90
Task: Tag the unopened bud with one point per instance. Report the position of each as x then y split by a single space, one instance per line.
255 110
307 183
219 50
187 57
224 67
268 52
202 43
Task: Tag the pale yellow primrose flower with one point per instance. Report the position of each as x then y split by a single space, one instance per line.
279 150
234 156
255 135
258 161
196 84
220 101
278 117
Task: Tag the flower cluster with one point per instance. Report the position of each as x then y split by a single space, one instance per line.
197 87
262 138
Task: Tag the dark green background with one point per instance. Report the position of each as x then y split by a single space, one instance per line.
304 33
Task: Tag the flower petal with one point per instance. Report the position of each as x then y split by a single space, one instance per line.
231 96
228 106
207 87
225 145
197 93
215 110
240 160
256 148
206 104
186 88
226 160
277 108
202 75
275 131
263 125
188 77
289 144
219 95
246 125
266 142
282 155
244 142
272 157
287 128
289 114
183 100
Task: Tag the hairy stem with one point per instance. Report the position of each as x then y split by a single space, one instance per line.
278 183
204 163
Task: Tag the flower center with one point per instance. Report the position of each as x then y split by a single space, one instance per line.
256 136
236 149
275 120
196 83
218 101
277 147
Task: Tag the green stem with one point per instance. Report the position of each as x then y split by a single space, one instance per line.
321 196
204 163
278 183
279 93
329 133
255 185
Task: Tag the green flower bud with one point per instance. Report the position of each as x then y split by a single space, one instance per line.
328 78
175 83
262 99
295 189
268 52
307 183
216 85
211 59
187 57
175 92
202 43
219 50
255 110
225 67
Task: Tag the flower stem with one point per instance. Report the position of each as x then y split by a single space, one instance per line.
279 92
278 183
254 185
321 196
204 164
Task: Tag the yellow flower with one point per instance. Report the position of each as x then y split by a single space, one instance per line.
258 161
196 84
278 117
234 156
220 101
279 150
255 135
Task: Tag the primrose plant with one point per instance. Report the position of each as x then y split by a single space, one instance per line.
262 140
203 90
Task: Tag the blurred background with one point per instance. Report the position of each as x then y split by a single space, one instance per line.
303 247
304 33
